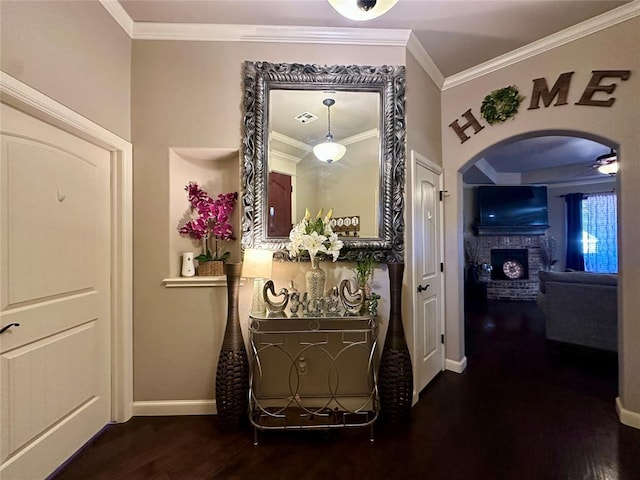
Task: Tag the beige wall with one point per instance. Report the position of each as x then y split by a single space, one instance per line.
73 52
424 133
611 49
189 94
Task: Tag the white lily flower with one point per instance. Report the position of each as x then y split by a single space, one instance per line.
314 237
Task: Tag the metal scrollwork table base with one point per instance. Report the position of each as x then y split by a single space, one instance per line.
312 372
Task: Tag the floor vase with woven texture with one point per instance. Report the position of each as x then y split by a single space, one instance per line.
395 375
232 376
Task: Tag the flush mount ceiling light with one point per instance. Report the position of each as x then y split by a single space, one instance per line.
607 163
329 151
362 10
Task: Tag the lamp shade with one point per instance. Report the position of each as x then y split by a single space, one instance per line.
607 163
329 151
610 168
257 263
362 10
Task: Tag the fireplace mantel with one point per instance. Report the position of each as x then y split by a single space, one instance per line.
511 230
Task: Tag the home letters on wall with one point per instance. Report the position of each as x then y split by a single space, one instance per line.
559 91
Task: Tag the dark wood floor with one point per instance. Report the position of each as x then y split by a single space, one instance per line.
519 411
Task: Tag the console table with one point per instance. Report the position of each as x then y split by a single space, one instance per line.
312 372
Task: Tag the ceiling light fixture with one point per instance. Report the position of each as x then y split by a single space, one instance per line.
361 10
329 151
607 163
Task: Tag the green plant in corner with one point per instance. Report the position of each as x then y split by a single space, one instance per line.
364 270
501 104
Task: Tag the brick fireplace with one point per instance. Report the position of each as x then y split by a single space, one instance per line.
525 249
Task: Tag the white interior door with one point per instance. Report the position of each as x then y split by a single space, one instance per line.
428 278
55 253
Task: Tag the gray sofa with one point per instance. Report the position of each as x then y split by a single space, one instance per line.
581 308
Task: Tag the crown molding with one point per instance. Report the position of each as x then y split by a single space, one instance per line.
577 183
422 57
580 30
363 36
292 142
286 156
270 33
359 137
119 14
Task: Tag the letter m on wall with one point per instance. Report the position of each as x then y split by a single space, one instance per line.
541 90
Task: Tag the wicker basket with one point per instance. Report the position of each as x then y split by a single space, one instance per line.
211 269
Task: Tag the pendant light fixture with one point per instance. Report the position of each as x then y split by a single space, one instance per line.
361 10
607 163
329 151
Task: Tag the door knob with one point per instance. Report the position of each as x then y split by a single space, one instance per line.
7 327
423 289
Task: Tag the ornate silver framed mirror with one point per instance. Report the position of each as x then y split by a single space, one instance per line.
291 108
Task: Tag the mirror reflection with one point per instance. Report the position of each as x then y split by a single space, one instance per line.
299 177
361 108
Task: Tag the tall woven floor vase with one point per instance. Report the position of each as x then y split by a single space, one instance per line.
232 375
395 375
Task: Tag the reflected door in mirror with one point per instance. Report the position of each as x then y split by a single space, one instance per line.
279 214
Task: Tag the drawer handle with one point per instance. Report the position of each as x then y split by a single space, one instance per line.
7 327
422 289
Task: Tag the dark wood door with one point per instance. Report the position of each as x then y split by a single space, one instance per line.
279 205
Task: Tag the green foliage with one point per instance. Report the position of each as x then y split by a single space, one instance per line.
501 104
364 269
316 226
209 257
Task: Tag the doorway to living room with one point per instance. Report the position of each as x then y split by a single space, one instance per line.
503 266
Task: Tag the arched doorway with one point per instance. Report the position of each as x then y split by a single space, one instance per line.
563 162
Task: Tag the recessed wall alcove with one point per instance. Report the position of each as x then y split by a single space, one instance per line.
217 171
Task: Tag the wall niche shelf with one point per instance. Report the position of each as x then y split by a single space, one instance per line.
217 171
195 281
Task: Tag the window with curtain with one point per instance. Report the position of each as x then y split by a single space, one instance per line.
600 232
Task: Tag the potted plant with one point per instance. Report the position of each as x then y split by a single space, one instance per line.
210 221
547 252
363 274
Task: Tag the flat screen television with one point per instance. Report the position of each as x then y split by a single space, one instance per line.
520 206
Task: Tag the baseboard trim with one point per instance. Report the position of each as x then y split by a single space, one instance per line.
174 407
455 365
627 417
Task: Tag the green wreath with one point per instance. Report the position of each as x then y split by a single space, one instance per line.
501 104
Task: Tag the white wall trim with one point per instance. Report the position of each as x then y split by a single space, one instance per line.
359 137
119 14
455 365
30 101
362 36
627 417
426 62
575 32
281 137
195 281
174 407
270 33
